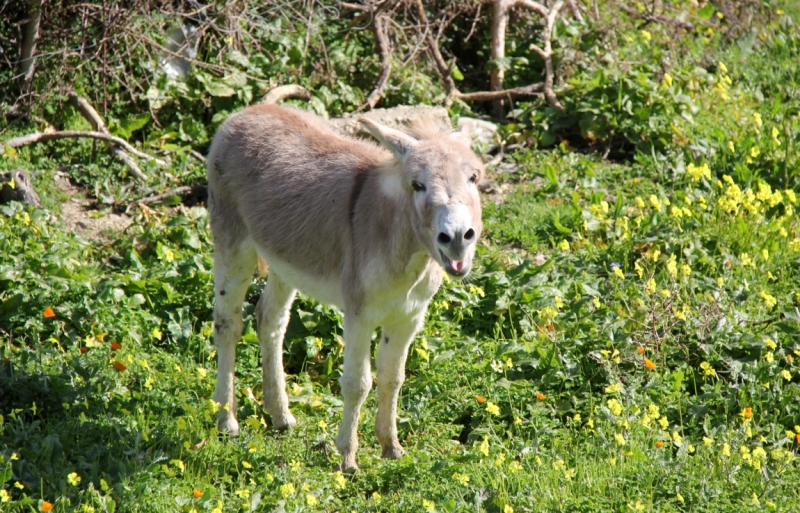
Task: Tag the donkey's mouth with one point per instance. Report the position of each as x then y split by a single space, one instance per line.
457 268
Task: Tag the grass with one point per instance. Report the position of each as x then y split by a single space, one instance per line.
627 341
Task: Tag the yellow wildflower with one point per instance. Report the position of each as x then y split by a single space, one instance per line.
614 406
461 478
769 300
619 438
484 446
786 374
340 480
726 449
563 245
667 79
428 505
492 408
614 389
654 202
639 202
645 34
74 479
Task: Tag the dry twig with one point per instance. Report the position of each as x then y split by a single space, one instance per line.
94 119
36 137
385 50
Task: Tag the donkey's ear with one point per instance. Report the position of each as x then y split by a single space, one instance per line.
463 136
395 140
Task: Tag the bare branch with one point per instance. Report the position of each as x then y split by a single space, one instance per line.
433 48
94 119
485 96
385 50
36 137
280 93
530 5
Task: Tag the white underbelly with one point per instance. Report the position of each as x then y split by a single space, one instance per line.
328 291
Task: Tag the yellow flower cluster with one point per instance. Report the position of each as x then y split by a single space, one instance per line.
734 200
698 172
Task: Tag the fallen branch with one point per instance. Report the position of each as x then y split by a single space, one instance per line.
36 137
487 96
94 119
159 197
385 51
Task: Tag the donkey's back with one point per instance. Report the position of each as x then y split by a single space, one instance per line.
269 168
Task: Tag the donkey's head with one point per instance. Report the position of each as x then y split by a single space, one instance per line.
440 175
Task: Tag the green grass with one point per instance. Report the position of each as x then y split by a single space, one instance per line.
543 343
627 342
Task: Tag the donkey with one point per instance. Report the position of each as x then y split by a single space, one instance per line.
348 223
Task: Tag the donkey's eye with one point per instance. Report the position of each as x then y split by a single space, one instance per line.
418 187
473 178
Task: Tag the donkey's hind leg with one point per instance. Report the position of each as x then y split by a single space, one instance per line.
233 272
273 316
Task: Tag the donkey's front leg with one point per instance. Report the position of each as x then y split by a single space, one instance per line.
355 382
391 363
273 317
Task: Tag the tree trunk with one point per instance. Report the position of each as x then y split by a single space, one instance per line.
498 52
30 34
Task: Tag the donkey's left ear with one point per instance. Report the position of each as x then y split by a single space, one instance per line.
463 136
394 140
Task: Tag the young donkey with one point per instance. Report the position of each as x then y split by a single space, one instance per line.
348 223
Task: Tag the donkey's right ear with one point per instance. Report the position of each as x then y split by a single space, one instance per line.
394 140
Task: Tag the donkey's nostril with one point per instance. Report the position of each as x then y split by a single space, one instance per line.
443 238
470 234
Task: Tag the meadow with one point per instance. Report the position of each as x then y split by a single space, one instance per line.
626 341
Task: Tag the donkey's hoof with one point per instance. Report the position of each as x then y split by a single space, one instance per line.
228 425
286 423
392 452
348 467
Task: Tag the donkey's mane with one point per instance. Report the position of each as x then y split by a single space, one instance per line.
427 127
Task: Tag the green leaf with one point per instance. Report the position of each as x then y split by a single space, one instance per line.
10 152
456 74
134 123
237 57
706 12
5 475
557 223
219 89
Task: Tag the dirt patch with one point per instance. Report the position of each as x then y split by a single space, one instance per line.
81 217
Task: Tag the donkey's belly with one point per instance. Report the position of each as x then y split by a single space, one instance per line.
324 290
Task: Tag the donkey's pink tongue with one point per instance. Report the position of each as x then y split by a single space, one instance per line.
457 265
